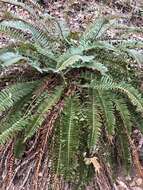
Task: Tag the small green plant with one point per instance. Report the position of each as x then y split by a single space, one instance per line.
70 94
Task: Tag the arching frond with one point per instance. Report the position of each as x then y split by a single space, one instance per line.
103 45
10 95
13 33
46 105
9 133
97 29
131 44
37 35
127 89
95 66
79 61
10 58
71 61
16 112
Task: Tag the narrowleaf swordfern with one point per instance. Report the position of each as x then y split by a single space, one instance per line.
84 87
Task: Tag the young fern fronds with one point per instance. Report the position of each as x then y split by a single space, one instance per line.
43 108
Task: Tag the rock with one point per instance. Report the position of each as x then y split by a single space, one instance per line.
128 178
139 181
132 184
122 185
40 174
136 188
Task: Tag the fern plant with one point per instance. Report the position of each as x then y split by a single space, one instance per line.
77 89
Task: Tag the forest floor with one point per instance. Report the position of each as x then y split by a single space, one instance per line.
78 14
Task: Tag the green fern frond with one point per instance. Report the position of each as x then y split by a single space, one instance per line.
64 28
46 105
37 35
130 44
128 29
92 65
133 94
124 124
109 55
10 58
72 60
19 146
94 119
13 130
107 111
104 45
45 51
123 110
15 112
12 94
97 29
68 138
138 56
13 33
123 155
79 61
